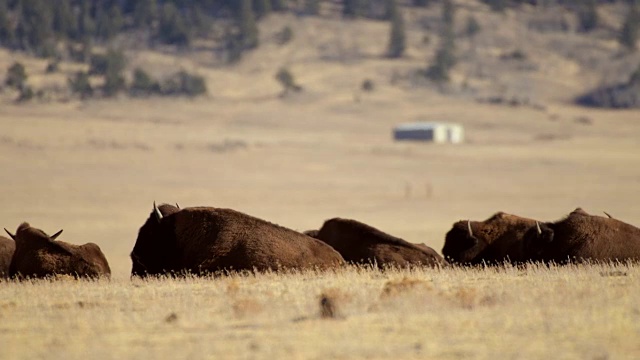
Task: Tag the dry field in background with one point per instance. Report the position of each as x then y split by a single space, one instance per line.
94 169
576 312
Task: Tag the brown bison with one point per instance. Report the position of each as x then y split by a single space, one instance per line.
583 237
498 239
40 255
360 243
7 248
201 240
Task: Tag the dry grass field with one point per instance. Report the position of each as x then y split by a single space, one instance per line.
94 169
507 313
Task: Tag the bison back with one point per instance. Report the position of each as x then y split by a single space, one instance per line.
213 239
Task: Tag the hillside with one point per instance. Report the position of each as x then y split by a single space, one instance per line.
534 55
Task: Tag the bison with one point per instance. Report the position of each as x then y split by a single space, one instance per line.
40 255
498 239
360 243
7 248
583 237
207 240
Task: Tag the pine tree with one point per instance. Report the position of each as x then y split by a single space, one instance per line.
629 33
445 55
109 23
247 25
279 5
86 25
145 13
35 27
497 5
421 3
173 29
588 15
312 7
261 8
397 37
65 23
352 8
7 34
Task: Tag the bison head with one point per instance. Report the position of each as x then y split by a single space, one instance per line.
537 239
155 249
461 245
495 240
27 233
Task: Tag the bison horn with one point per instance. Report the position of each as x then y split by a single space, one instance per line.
10 234
609 216
469 227
157 212
178 206
538 227
54 236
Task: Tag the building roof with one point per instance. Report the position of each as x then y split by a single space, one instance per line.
424 125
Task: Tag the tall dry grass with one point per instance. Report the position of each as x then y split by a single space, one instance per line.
580 311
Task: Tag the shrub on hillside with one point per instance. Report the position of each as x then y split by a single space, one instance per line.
80 85
285 35
16 76
184 83
367 85
286 79
26 94
143 84
625 95
112 61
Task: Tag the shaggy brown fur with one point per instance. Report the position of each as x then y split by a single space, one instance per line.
7 248
202 240
583 237
495 240
39 255
360 243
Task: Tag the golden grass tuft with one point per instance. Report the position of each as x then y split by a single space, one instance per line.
246 307
398 287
